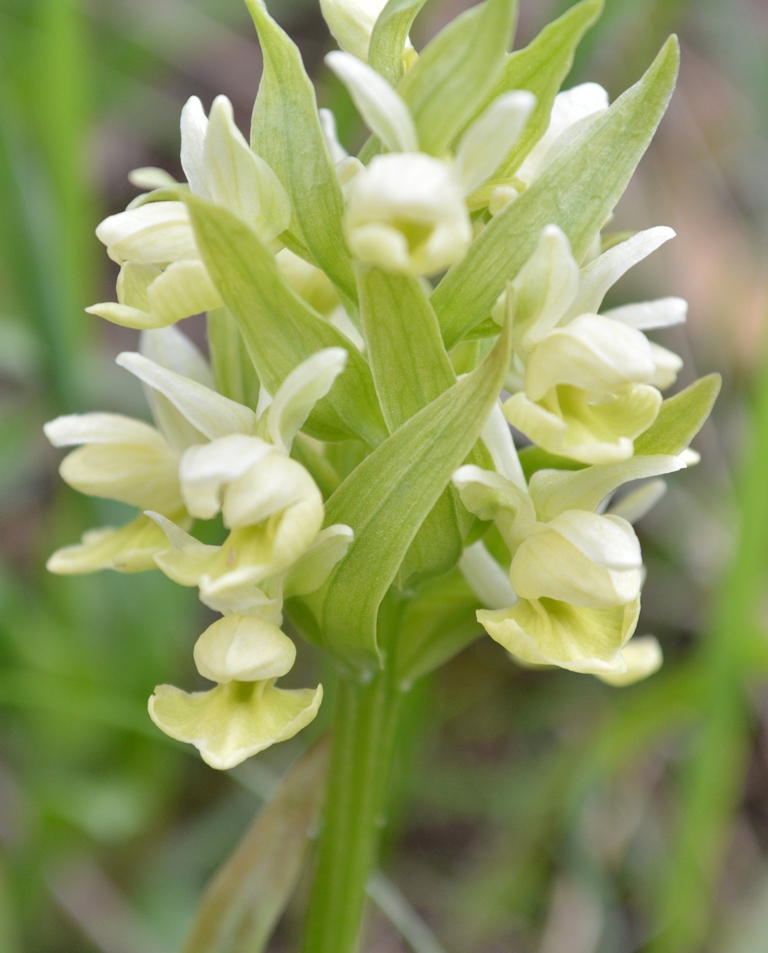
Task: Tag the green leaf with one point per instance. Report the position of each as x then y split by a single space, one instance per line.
279 329
244 901
385 53
540 68
387 498
456 72
680 418
576 191
286 133
394 308
436 625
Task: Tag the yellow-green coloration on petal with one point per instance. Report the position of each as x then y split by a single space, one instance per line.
591 428
129 548
234 721
548 632
151 297
244 713
238 648
642 656
406 213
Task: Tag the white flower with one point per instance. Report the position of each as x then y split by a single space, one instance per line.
574 576
244 713
162 279
406 213
131 461
587 384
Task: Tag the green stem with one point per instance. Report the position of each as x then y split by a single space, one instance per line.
363 746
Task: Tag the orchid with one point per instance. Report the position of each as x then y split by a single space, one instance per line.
375 324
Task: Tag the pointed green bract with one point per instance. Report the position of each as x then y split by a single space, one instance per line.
394 309
456 72
576 191
279 329
680 418
541 68
245 899
387 498
286 133
385 53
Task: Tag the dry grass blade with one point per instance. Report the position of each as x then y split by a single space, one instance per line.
243 902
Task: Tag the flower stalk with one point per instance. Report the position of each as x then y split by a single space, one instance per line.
364 741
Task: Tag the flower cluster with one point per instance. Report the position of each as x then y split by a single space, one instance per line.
327 315
207 455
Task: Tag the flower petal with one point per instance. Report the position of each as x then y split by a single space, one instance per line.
499 442
312 568
556 633
140 474
406 212
154 233
490 496
647 315
205 469
173 350
569 108
579 558
182 290
194 127
243 649
491 136
239 179
235 721
643 657
73 429
489 581
593 353
300 391
212 414
274 485
591 431
602 273
542 291
129 548
554 491
381 107
668 365
351 23
633 506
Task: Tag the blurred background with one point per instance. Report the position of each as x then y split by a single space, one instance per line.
533 812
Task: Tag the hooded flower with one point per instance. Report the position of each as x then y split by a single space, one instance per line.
131 461
585 385
575 574
162 279
245 713
406 210
271 505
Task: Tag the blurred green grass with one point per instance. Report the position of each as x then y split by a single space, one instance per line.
534 811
